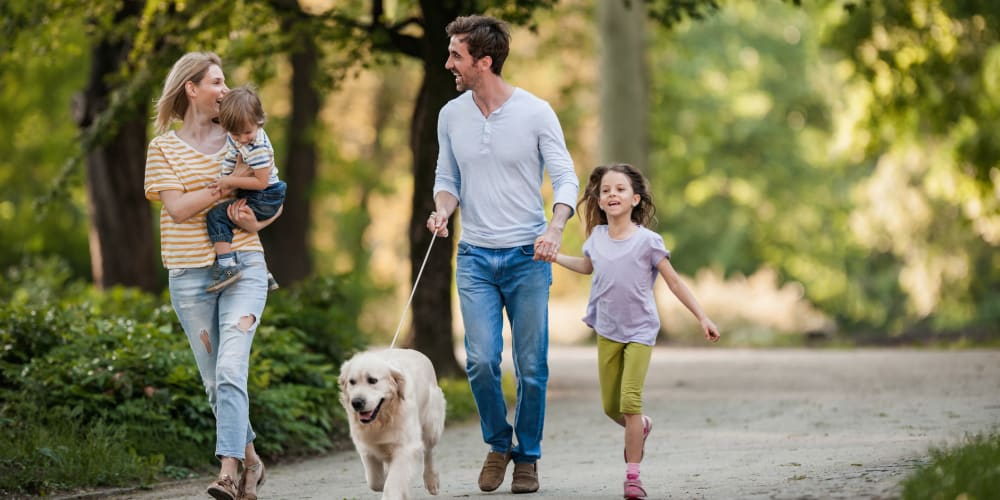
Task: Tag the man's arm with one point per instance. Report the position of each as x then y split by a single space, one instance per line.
547 245
445 204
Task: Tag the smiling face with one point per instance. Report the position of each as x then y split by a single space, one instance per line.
467 70
367 384
617 197
206 94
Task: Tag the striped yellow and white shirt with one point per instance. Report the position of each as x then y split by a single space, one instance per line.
172 164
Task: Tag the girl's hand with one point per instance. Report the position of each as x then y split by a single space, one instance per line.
711 331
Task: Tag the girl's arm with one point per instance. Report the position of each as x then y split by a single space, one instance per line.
682 292
582 265
181 206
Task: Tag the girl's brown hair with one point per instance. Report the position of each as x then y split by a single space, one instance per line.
589 205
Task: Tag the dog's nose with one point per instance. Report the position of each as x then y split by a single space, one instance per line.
358 403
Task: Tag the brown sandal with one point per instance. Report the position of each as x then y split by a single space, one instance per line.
223 488
259 466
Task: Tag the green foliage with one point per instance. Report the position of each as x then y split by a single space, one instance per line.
53 454
970 471
460 404
37 84
743 111
924 76
119 360
769 149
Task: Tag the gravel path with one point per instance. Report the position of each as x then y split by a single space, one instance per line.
756 424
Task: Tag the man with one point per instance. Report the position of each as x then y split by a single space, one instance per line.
495 140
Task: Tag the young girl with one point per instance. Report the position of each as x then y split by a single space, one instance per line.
625 257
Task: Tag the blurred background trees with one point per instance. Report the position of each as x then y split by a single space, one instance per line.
822 170
843 149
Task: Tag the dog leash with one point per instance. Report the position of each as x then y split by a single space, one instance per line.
414 290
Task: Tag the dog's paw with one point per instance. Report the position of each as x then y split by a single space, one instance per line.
432 483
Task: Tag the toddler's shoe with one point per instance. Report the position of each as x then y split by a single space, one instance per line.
634 490
223 276
272 284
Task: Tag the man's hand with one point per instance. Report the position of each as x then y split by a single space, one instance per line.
437 223
547 245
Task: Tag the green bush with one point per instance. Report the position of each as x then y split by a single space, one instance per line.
119 360
970 471
59 454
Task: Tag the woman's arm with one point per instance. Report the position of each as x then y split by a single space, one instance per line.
582 265
243 216
182 205
683 293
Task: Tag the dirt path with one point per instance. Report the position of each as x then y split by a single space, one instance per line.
728 424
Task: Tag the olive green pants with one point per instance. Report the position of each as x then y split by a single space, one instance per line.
622 371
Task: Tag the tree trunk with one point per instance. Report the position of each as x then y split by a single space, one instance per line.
624 84
121 224
286 241
431 331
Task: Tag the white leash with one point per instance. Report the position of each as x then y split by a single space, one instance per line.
414 290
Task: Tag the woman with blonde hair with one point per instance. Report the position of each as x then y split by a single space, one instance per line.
220 326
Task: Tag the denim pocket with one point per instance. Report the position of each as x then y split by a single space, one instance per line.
527 250
464 248
176 273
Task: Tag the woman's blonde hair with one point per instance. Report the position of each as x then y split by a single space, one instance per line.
173 103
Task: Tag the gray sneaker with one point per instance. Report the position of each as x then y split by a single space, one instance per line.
272 284
223 277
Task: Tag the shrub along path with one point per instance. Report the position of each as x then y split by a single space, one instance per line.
728 424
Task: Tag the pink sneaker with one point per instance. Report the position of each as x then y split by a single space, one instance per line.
647 427
634 490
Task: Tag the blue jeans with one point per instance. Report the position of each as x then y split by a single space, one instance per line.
490 280
220 327
264 203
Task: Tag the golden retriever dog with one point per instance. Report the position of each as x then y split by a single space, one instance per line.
396 412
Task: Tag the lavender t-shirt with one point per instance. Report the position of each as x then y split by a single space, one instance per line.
622 306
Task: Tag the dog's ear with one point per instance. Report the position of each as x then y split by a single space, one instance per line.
399 380
344 370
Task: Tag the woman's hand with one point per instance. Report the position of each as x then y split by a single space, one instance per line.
243 216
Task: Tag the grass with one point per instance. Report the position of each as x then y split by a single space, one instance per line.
461 404
40 457
970 471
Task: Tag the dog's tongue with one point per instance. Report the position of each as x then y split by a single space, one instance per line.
366 415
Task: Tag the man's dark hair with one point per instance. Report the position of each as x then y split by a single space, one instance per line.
485 36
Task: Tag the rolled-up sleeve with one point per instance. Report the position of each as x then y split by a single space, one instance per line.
447 177
159 176
552 145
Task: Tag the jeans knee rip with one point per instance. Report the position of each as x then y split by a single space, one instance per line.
246 322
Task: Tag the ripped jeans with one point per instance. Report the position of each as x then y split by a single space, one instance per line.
220 327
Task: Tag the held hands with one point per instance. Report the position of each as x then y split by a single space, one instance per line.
547 245
711 331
